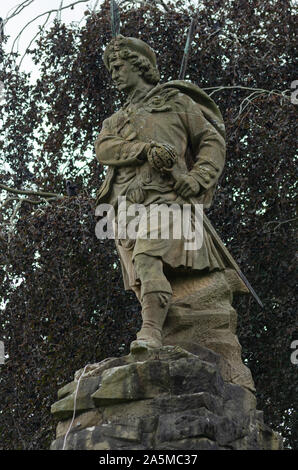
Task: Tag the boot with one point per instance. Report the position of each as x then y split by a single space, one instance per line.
155 306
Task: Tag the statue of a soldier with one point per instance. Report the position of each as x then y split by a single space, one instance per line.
174 122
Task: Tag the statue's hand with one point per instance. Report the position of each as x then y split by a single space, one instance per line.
162 157
186 186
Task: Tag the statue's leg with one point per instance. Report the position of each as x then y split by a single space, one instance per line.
156 294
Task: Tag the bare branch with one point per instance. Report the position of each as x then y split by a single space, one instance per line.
279 223
95 6
43 14
7 200
27 200
260 90
18 9
247 101
152 4
59 10
33 39
32 193
12 219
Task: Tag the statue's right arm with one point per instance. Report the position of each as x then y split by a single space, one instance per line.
113 150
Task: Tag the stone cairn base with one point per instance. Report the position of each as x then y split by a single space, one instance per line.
194 393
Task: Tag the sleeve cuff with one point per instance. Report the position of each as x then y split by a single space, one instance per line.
206 177
134 150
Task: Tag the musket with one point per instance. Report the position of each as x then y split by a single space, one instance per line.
206 222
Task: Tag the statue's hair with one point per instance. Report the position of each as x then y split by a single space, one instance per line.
149 73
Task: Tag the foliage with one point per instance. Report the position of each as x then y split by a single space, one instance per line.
61 286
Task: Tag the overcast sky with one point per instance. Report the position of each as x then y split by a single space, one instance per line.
35 8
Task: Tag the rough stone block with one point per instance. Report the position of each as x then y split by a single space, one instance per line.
238 400
94 370
163 399
133 382
196 444
166 404
80 398
194 376
84 420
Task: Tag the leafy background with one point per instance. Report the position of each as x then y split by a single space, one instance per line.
63 303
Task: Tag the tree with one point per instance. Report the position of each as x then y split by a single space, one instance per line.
63 301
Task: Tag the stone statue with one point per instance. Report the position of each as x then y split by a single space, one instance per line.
175 122
183 386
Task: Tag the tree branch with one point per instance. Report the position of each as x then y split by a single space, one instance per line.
32 193
239 87
7 200
32 40
59 10
153 4
247 101
12 219
279 223
55 10
18 9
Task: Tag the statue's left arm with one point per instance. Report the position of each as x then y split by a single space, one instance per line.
207 146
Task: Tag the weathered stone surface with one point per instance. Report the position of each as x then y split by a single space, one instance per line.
68 389
198 423
133 382
201 443
99 367
268 439
154 378
98 438
81 395
84 420
236 285
166 404
126 431
201 314
171 399
139 409
238 400
194 375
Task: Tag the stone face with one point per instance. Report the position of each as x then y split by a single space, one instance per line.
163 399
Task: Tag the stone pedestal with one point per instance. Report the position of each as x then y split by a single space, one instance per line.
194 393
162 399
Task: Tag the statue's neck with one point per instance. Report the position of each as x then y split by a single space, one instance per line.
139 92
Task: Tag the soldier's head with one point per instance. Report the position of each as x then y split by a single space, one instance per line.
130 61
